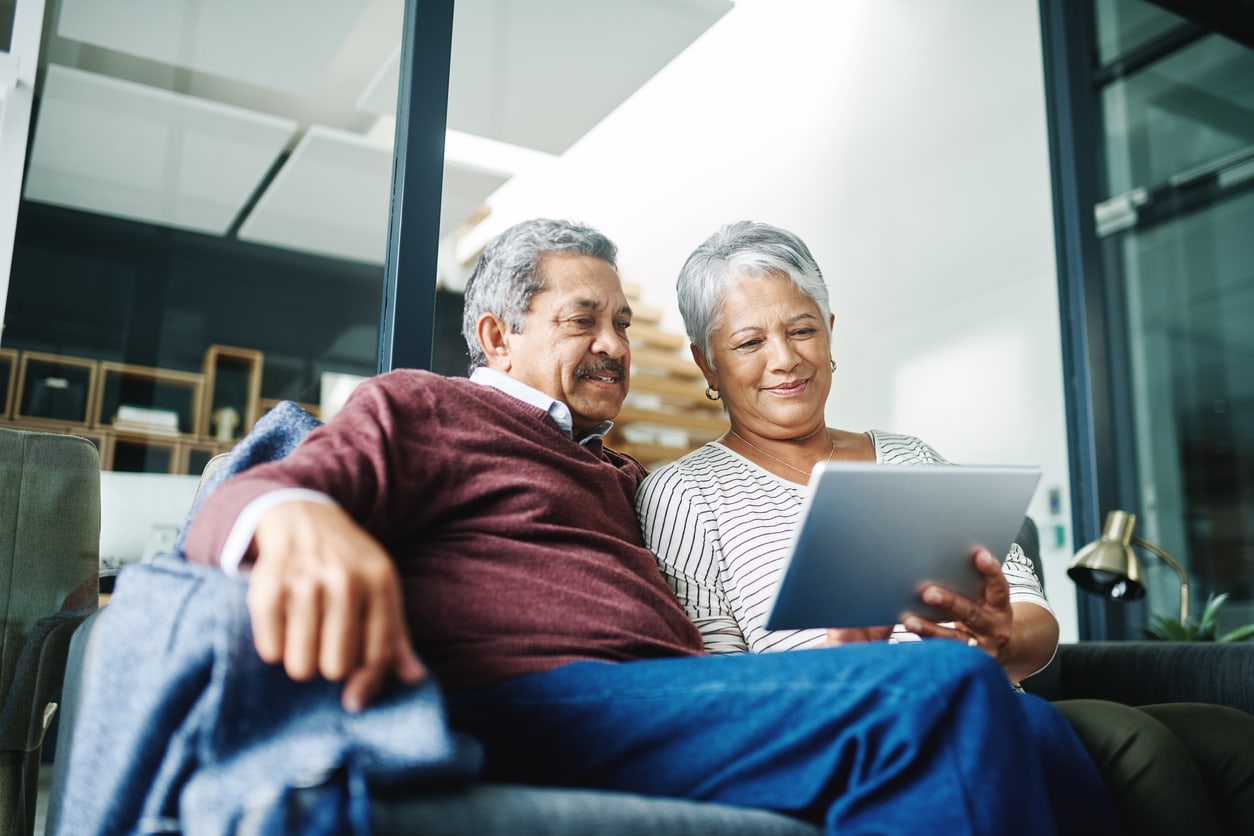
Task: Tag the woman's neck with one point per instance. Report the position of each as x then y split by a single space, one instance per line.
792 459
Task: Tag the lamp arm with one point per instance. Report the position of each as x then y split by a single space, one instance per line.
1171 561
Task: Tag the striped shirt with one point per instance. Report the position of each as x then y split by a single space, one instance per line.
720 527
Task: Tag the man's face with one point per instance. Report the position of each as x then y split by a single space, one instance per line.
573 346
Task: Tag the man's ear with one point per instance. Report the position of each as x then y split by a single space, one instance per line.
493 336
711 376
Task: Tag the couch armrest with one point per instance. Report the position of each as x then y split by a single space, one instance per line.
1145 672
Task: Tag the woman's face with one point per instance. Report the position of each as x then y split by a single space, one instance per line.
770 358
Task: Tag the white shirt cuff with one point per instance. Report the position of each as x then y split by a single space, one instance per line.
241 536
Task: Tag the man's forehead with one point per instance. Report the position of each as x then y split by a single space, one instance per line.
584 303
581 282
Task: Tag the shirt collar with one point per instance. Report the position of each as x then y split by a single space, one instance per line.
557 410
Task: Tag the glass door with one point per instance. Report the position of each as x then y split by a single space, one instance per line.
1175 221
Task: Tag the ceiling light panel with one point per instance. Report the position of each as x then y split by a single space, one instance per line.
541 73
333 193
281 44
331 198
130 151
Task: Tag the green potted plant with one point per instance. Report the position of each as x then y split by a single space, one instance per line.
1166 628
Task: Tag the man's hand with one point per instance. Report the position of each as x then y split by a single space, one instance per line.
985 623
325 599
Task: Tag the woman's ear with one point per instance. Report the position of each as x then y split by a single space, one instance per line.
711 376
493 336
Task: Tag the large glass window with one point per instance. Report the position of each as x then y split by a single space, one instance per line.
1168 170
1124 26
202 232
1192 109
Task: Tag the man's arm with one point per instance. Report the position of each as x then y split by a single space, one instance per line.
324 595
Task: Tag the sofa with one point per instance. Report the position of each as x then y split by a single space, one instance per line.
1134 673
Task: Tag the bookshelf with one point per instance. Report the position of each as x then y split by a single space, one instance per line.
142 419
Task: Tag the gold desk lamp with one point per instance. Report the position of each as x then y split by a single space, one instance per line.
1109 567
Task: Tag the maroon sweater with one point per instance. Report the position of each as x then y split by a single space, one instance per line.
518 549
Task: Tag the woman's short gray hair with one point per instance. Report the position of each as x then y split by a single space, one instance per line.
740 251
507 275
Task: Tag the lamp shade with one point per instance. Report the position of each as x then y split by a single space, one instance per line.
1108 566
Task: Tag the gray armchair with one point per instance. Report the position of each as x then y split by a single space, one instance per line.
49 566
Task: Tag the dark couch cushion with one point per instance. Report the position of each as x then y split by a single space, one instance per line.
537 811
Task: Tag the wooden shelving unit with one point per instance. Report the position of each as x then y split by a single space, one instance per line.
122 384
8 382
80 396
55 389
232 382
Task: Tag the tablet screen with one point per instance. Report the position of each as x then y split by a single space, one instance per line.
871 536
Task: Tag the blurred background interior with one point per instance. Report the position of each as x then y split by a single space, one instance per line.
1034 217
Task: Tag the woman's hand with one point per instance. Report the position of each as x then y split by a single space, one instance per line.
987 623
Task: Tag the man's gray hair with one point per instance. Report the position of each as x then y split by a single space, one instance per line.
507 275
738 251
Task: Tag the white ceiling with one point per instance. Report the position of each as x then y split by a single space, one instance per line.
274 118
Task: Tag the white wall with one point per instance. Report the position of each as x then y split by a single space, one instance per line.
905 140
140 514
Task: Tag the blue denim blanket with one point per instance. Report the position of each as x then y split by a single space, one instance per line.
182 727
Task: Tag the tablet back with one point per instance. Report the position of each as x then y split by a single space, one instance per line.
871 536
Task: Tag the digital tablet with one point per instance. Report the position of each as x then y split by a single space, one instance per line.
871 536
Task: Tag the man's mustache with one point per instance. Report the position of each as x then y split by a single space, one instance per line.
603 366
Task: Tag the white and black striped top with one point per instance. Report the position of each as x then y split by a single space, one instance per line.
720 526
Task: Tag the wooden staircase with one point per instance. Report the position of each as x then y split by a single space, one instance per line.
667 414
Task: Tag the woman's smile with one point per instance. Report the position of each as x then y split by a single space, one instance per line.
791 389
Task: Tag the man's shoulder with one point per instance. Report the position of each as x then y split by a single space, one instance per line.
421 380
416 377
626 463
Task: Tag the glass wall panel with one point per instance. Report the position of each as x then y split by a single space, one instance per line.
202 230
1190 109
1126 25
1180 131
1190 294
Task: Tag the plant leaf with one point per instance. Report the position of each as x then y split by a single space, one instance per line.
1214 603
1170 629
1243 633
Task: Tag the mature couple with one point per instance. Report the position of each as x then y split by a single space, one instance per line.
481 526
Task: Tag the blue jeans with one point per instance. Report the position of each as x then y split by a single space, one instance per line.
874 738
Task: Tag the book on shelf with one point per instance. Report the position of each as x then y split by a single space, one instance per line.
143 419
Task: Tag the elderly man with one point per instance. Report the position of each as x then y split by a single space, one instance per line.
482 524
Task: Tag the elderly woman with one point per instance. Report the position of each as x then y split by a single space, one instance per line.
756 310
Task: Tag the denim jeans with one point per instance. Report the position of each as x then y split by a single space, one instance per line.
875 738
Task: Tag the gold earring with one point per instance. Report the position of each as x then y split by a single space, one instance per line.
713 394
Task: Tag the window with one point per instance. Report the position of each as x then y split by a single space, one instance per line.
1153 116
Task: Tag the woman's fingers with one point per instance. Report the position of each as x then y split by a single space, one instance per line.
985 624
